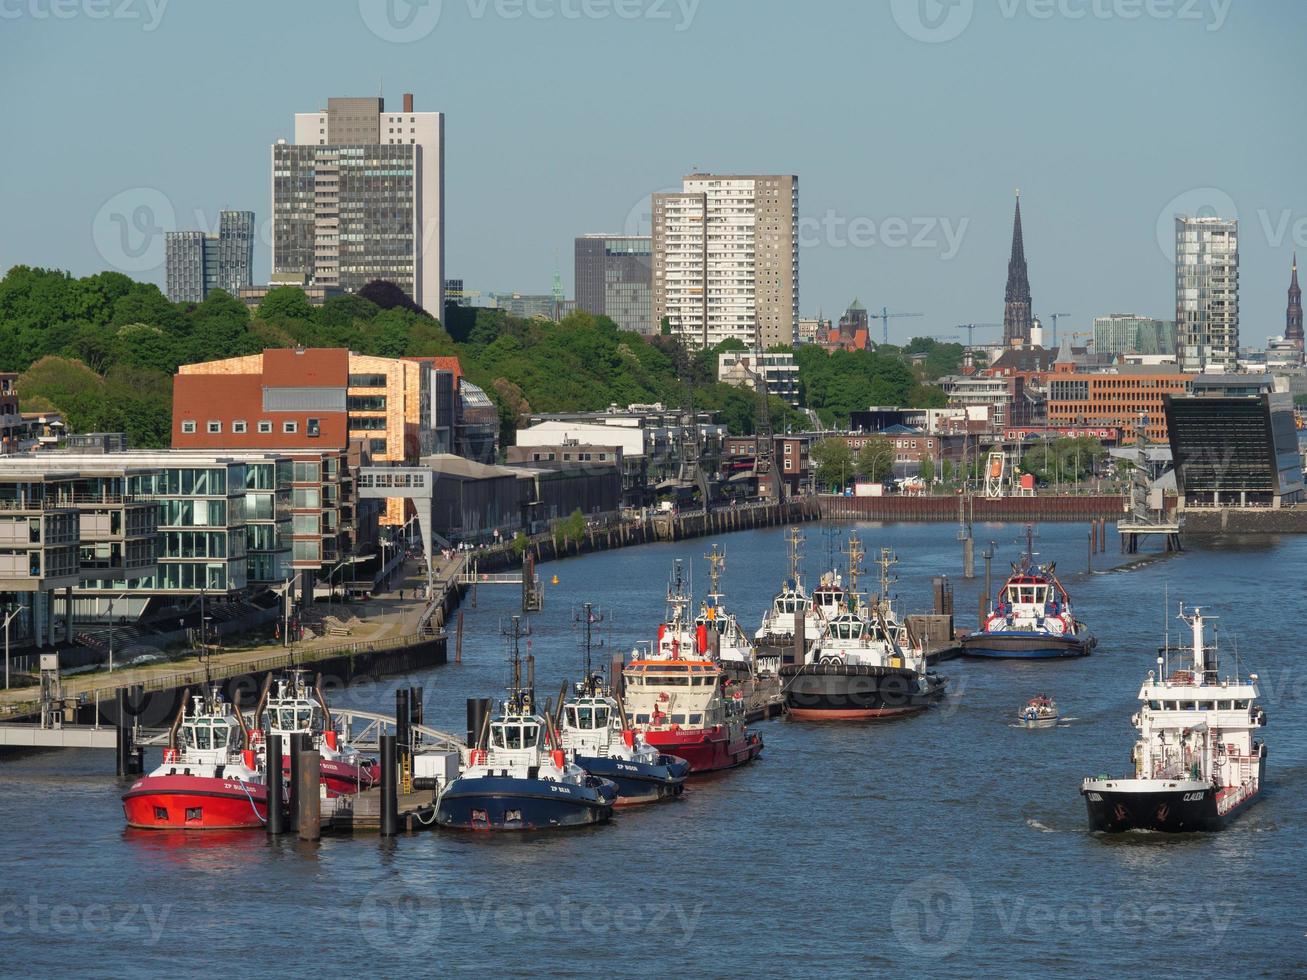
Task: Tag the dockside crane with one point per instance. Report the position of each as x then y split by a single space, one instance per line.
971 329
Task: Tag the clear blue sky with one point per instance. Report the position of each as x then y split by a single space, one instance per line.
1103 112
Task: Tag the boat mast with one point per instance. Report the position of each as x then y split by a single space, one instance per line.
520 699
855 555
716 564
795 539
886 562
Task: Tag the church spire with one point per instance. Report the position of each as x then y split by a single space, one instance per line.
1293 317
1016 308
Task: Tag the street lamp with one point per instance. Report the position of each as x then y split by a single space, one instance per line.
8 619
110 612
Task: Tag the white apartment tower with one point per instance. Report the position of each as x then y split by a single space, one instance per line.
1207 293
360 195
726 259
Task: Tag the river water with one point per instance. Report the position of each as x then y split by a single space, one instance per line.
949 844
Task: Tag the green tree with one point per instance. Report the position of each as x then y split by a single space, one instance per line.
286 303
876 458
927 471
832 461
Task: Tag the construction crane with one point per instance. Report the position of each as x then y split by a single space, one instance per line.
971 329
1055 317
885 316
943 336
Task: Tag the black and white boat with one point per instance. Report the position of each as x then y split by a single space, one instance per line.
791 610
518 776
595 731
1198 763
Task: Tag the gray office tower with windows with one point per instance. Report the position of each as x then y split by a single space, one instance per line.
359 196
198 263
614 278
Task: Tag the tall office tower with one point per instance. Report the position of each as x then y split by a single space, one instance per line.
614 276
1017 319
726 259
360 196
198 263
1207 293
1293 316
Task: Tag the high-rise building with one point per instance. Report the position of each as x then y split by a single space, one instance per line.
1207 293
614 278
1293 316
360 196
1129 333
198 263
726 259
1017 319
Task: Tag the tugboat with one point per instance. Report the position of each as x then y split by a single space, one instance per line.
1198 763
517 777
596 732
1039 712
775 637
1031 617
209 779
292 707
862 667
717 631
683 702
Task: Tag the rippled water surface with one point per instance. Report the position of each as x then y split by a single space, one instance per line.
948 844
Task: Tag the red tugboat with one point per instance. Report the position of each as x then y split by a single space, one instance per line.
679 700
293 707
209 780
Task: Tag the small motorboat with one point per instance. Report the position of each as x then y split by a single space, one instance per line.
1039 712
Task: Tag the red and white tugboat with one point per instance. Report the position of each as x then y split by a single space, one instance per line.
293 707
1198 762
682 701
718 632
209 780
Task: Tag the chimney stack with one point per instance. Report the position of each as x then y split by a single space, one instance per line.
408 101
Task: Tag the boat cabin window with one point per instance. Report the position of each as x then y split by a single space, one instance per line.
220 734
1225 705
1155 705
641 719
601 716
1241 705
511 735
846 629
696 719
1172 705
673 680
1207 705
678 719
201 735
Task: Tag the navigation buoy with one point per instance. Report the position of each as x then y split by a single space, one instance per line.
554 580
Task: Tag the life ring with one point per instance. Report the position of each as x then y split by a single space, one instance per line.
664 697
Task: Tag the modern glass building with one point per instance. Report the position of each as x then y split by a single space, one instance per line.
1130 333
614 278
1207 293
198 263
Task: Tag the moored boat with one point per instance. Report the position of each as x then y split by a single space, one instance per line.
209 778
718 632
1198 763
291 706
1031 617
792 610
865 665
518 777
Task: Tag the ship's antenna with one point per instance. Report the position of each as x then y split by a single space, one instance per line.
589 616
520 698
856 554
796 541
716 564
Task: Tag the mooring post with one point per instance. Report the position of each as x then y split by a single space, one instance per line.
458 640
415 705
123 744
294 749
272 773
1091 551
309 795
389 795
800 652
402 721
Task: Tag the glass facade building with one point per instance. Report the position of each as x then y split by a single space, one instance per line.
1127 333
1207 293
614 278
198 263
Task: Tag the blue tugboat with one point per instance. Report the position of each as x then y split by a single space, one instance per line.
518 777
1031 618
595 730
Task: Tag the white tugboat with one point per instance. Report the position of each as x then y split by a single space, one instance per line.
1198 763
775 637
596 732
718 632
865 665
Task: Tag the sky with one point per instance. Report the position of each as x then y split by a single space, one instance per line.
910 124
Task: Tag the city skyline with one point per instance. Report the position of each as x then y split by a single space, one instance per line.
887 213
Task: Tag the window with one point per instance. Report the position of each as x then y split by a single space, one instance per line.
265 427
313 428
377 446
289 427
215 428
188 426
238 427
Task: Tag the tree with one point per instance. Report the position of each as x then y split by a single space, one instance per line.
876 458
832 461
388 296
946 470
927 471
286 303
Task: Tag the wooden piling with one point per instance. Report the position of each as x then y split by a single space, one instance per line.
309 796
